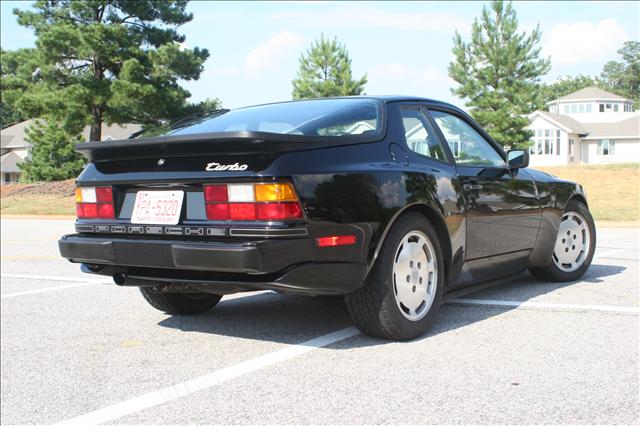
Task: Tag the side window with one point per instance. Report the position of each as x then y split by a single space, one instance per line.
420 136
467 146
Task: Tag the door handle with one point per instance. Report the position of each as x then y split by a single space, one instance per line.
472 187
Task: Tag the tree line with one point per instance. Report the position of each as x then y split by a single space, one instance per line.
116 61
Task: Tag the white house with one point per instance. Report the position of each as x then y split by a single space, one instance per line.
14 148
590 126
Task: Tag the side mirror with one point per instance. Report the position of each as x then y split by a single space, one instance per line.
518 158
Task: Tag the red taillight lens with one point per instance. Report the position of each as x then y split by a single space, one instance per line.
278 211
251 202
106 211
95 203
242 211
215 194
337 240
87 210
104 194
218 211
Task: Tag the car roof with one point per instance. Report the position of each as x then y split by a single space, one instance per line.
381 98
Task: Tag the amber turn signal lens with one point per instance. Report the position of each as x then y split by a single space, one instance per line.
78 195
274 192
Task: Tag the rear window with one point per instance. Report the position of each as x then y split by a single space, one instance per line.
321 117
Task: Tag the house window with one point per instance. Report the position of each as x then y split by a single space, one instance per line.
606 147
615 107
601 107
581 108
574 108
566 109
545 142
10 177
572 148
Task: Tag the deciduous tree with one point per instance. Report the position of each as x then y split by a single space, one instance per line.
623 77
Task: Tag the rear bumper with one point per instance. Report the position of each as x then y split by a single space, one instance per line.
258 257
280 264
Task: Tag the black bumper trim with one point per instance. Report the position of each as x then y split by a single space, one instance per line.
256 257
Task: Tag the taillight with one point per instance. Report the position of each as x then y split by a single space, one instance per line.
95 203
251 202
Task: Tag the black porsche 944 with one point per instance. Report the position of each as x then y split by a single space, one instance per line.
392 202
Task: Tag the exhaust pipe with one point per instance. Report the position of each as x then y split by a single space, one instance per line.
119 278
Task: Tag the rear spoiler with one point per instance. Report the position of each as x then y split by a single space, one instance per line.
228 143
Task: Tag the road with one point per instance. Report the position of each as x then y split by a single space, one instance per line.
76 349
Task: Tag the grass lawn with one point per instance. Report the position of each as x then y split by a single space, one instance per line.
613 192
46 198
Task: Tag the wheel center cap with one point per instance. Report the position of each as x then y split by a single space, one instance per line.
414 275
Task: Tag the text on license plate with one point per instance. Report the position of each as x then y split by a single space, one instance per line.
157 207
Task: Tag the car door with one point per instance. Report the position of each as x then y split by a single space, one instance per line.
502 205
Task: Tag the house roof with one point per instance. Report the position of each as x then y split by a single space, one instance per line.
14 136
590 93
564 121
114 131
629 128
9 162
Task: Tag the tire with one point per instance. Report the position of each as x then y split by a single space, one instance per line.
559 271
180 303
378 308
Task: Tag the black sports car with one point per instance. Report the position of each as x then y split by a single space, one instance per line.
392 202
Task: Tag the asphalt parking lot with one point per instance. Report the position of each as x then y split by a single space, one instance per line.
76 349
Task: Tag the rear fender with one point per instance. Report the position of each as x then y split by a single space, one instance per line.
434 217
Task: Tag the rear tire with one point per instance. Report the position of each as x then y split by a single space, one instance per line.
403 292
180 303
574 247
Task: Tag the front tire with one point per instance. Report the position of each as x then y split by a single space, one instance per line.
574 247
403 293
180 303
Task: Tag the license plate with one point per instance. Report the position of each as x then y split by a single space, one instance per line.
157 207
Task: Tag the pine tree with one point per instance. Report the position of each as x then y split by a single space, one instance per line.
499 72
325 70
51 156
111 61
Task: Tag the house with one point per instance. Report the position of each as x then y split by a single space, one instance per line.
590 126
14 148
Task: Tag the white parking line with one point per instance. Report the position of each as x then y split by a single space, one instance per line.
80 283
216 377
552 306
56 278
43 290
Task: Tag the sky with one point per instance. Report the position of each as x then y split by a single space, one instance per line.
403 47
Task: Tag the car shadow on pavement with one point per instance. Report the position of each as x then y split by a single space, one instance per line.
289 319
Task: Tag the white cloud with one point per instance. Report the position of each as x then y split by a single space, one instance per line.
399 78
429 75
569 44
366 16
386 71
404 74
267 55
